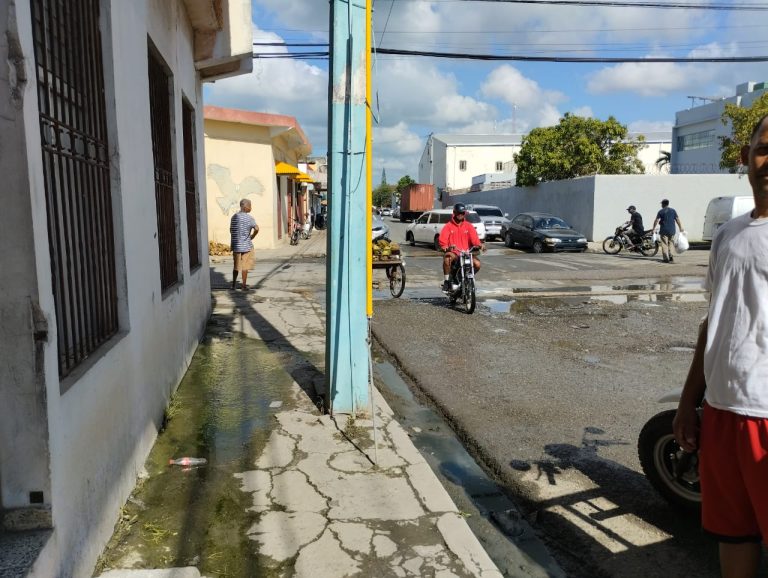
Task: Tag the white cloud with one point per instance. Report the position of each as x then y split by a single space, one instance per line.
645 126
649 79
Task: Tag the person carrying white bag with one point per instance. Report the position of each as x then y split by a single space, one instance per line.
666 219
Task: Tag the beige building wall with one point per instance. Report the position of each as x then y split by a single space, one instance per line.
240 163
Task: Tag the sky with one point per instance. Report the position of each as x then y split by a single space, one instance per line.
417 96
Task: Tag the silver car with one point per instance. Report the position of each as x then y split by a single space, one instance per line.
379 229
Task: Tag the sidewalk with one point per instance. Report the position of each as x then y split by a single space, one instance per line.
287 490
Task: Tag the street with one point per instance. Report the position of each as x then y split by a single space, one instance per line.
549 384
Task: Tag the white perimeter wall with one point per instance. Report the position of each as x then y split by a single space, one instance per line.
596 205
103 419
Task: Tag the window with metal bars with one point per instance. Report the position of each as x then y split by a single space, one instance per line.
190 183
162 152
75 154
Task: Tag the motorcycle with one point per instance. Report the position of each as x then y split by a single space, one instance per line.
673 472
463 281
620 240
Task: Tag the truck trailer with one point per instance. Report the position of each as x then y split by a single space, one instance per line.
416 199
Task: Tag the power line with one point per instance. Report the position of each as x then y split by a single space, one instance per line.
573 59
761 7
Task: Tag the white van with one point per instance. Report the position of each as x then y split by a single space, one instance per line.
722 209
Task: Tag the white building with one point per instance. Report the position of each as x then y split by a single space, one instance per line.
105 284
697 130
458 163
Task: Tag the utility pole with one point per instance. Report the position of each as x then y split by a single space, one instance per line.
346 350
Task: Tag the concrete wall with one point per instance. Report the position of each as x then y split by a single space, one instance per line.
103 418
240 164
596 205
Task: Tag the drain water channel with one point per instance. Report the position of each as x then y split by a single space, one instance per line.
492 515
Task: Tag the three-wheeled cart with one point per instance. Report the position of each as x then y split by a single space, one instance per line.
395 270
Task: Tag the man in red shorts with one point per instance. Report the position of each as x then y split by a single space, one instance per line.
731 358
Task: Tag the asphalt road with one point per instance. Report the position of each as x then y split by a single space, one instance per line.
549 384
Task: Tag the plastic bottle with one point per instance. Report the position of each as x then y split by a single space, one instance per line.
188 462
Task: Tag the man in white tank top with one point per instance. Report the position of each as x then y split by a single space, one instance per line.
730 368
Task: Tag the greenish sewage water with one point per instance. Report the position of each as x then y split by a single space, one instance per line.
221 412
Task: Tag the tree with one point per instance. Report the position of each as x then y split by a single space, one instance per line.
664 160
742 121
382 195
403 184
577 147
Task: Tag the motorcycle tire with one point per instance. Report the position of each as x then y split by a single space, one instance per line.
469 297
656 448
612 245
649 248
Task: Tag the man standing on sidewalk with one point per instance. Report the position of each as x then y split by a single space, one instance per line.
666 218
243 229
730 368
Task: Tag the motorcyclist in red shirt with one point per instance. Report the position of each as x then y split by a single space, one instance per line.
457 235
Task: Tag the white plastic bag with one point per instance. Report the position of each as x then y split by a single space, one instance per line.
681 243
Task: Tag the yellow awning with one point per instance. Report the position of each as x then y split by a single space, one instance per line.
304 177
282 168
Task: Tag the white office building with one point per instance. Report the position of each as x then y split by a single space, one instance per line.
697 131
457 163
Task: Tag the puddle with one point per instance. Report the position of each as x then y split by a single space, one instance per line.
492 514
222 411
497 306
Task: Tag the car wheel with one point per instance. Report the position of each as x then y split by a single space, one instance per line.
537 246
409 238
508 241
437 242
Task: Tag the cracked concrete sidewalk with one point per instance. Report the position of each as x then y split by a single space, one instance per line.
330 496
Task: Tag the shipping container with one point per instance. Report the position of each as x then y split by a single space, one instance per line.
416 199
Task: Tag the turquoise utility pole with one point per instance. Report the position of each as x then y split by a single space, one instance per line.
346 349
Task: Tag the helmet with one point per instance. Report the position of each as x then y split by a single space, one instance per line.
459 208
631 208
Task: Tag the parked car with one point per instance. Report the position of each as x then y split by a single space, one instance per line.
379 229
721 210
426 229
386 212
544 232
496 222
396 213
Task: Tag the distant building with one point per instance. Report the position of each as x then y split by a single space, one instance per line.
459 163
256 156
697 130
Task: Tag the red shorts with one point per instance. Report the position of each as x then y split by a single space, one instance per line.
733 466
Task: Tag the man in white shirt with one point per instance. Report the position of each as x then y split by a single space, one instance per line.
730 368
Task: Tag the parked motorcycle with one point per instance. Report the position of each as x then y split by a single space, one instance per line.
463 281
620 240
674 473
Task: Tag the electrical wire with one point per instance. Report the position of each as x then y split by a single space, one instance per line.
571 59
746 6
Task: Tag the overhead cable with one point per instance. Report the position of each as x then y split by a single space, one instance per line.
574 59
759 7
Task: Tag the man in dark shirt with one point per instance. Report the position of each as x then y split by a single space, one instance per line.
666 219
636 231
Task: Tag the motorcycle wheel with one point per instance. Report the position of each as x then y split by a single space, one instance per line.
649 248
658 450
611 245
468 296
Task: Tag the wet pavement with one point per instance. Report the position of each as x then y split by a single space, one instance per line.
288 490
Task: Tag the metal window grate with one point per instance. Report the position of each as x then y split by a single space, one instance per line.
162 151
70 89
190 184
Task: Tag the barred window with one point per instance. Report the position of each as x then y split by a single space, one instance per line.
696 140
162 152
190 184
73 132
